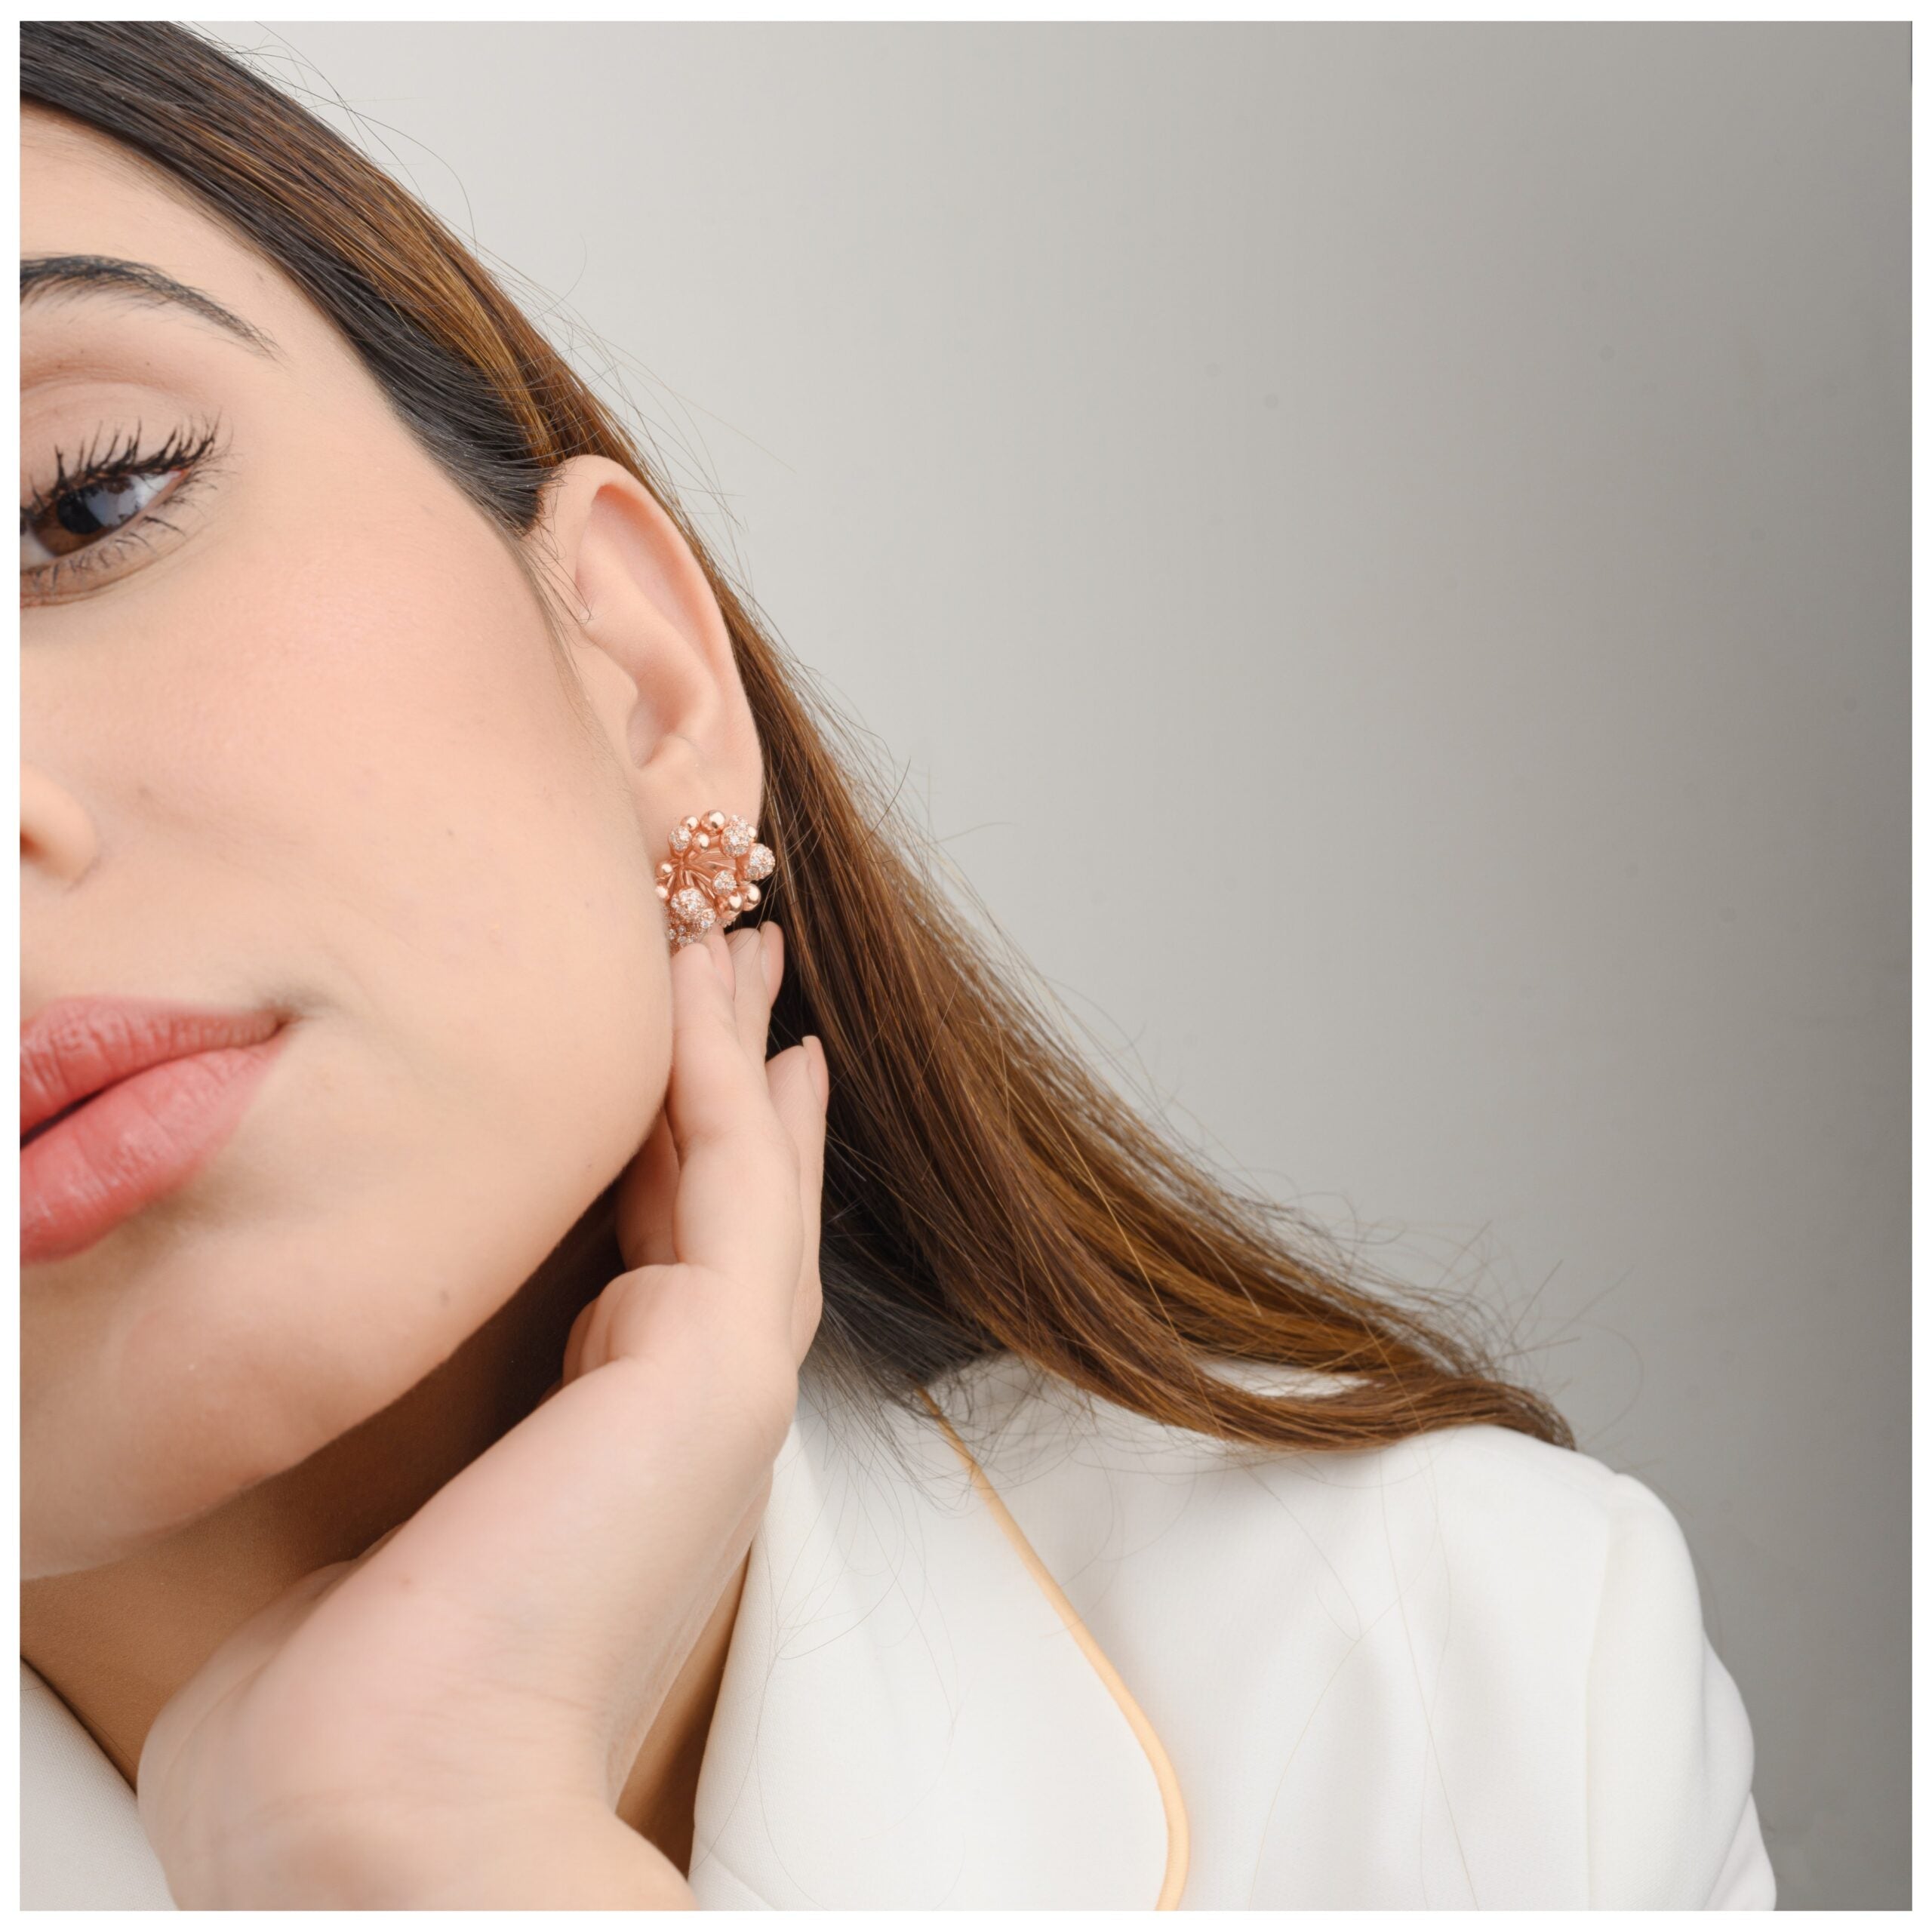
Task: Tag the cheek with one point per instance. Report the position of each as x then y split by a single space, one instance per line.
461 878
381 798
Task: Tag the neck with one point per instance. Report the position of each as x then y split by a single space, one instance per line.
118 1642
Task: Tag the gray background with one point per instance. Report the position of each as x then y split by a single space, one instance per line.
1478 456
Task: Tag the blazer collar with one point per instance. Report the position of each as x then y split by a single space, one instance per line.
903 1720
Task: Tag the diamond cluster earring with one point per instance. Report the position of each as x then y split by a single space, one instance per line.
711 875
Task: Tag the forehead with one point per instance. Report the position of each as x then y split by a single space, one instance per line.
82 194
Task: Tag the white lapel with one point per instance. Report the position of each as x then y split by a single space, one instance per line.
82 1843
904 1719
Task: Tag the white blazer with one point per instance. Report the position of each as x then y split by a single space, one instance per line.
1467 1671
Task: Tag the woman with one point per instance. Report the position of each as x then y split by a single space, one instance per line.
951 1495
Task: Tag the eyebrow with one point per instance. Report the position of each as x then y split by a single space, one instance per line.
51 275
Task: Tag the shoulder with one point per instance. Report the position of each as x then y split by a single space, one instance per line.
1543 1518
1523 1615
1494 1484
1523 1526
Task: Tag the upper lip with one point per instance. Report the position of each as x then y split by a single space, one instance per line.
72 1048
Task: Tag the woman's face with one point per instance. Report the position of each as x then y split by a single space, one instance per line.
297 743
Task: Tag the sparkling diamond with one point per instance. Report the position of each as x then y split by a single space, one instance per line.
738 837
681 837
758 864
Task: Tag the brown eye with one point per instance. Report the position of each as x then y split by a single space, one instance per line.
77 518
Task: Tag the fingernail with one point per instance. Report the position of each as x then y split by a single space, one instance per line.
821 1074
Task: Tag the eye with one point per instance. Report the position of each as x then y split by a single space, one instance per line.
108 504
75 517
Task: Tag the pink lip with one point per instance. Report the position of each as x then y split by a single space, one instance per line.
163 1086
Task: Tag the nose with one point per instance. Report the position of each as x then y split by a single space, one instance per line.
58 837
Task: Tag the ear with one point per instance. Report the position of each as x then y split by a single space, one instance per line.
649 644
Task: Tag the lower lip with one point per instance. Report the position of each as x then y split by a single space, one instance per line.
135 1142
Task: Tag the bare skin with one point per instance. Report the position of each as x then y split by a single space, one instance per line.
304 745
118 1642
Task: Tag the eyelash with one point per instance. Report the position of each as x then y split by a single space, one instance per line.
189 451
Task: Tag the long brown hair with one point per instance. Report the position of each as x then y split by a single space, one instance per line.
985 1189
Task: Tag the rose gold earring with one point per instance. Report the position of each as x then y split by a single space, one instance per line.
710 877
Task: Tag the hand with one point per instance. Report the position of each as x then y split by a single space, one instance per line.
450 1718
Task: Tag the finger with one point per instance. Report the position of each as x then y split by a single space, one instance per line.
750 961
795 1097
247 1650
615 1322
649 1189
574 1348
646 1196
773 935
649 1186
710 1070
582 1529
737 1207
717 950
242 1655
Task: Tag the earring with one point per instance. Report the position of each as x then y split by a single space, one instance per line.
710 878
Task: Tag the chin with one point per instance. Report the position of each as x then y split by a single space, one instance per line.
228 1364
131 1492
183 1448
62 1554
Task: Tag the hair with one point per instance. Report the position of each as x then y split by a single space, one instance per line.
985 1190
